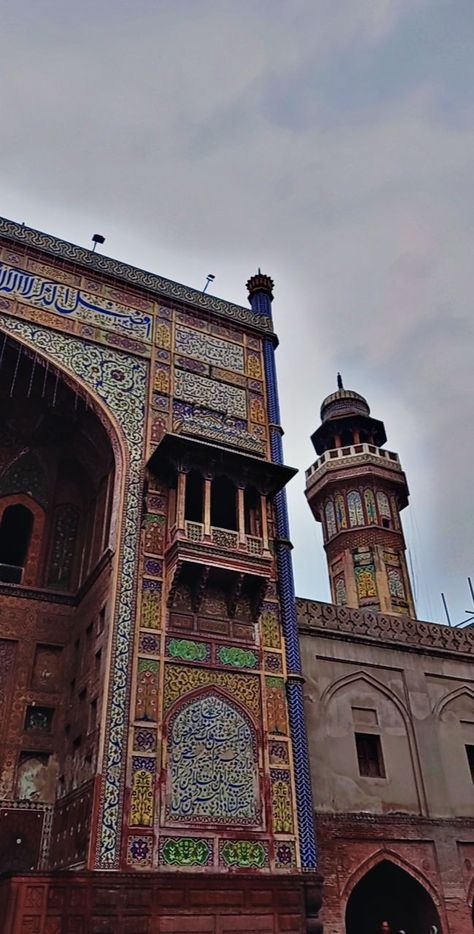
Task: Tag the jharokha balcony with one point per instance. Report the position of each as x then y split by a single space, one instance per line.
218 504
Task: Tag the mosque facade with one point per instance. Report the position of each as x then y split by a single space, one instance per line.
163 750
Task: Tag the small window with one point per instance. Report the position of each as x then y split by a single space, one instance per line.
15 533
470 759
39 719
369 755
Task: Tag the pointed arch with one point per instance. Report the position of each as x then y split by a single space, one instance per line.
464 691
364 676
387 854
211 761
114 387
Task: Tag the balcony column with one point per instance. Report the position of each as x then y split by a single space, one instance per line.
356 436
241 514
337 441
263 508
207 507
180 500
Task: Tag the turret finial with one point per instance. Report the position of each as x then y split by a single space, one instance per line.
339 381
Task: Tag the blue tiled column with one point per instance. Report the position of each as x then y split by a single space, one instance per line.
260 288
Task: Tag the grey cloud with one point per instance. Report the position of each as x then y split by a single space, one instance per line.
330 143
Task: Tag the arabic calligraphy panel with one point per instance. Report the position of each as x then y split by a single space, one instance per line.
212 774
209 349
210 392
67 301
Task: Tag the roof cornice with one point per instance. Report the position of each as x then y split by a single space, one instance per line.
159 286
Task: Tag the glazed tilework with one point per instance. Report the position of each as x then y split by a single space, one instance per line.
65 300
179 680
188 650
243 854
144 740
285 855
282 806
158 285
219 785
146 699
212 765
209 349
186 852
122 389
140 851
217 426
304 797
142 792
210 392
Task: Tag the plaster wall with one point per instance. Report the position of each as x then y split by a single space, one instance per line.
424 715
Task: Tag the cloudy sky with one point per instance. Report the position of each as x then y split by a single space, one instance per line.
330 142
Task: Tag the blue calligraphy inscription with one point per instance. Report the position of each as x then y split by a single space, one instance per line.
212 765
66 300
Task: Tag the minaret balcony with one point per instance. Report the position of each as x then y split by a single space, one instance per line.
354 454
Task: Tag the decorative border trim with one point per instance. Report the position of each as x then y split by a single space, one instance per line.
286 587
160 286
100 371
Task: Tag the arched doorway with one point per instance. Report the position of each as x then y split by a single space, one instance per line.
388 893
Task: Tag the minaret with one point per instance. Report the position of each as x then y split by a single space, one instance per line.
356 489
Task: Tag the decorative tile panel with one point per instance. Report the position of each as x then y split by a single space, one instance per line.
209 349
151 604
67 301
179 680
212 768
141 795
236 657
278 752
148 643
217 426
188 650
121 383
140 851
186 851
273 662
146 704
282 808
243 854
285 855
219 396
276 705
144 740
270 626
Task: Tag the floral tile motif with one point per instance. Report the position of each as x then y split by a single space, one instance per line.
285 855
140 851
144 740
212 767
121 384
243 854
216 395
188 650
186 851
209 349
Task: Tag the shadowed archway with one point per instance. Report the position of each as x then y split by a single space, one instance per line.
388 893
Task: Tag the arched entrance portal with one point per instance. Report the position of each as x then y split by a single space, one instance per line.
388 893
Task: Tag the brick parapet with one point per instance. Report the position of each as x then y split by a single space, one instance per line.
317 618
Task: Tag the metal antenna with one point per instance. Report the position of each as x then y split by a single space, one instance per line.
470 613
97 238
209 278
446 609
339 381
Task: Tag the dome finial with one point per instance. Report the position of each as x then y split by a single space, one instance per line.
339 381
